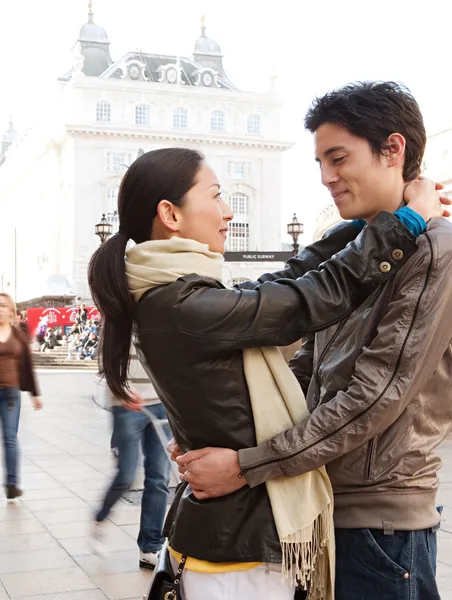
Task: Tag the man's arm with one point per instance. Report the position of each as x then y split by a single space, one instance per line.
410 342
411 339
312 256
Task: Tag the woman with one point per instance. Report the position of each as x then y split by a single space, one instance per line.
199 344
16 373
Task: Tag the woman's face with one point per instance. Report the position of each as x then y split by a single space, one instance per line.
205 216
6 311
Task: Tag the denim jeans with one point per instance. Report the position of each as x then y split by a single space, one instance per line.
374 566
9 416
128 429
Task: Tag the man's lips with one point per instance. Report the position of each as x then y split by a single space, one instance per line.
337 196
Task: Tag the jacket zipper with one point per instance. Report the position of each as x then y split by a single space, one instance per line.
370 407
370 454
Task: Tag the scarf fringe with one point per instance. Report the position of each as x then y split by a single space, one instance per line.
305 563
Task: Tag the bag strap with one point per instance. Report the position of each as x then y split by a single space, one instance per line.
174 593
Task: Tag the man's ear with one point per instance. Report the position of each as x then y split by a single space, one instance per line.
395 150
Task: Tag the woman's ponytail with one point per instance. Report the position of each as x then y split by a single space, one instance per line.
108 284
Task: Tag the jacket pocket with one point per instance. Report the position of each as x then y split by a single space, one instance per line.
370 458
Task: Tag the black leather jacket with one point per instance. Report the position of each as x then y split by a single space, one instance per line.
191 334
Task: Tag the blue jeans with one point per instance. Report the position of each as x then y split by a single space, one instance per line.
128 428
9 416
374 566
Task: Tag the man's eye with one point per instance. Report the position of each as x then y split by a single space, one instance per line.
338 159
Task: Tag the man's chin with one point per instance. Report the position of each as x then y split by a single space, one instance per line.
349 215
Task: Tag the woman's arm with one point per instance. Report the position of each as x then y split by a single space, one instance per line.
279 313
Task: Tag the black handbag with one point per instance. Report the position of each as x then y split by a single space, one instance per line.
165 584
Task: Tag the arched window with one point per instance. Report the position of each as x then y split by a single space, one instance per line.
180 118
142 113
239 203
254 124
217 120
103 112
239 232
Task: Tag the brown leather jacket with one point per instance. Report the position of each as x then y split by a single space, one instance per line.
380 397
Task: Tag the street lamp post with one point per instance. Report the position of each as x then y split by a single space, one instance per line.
103 229
295 229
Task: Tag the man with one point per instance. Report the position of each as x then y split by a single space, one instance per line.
81 317
50 341
378 384
20 323
89 350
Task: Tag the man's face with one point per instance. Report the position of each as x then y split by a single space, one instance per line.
361 183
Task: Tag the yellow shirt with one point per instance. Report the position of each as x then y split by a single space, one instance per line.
204 566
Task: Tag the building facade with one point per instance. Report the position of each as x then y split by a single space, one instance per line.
438 159
65 173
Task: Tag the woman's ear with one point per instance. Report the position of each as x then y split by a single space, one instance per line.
168 216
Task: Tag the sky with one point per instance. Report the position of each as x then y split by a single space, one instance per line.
312 45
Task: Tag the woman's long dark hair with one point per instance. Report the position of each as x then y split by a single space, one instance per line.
166 174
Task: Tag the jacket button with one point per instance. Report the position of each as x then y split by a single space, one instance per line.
407 575
385 267
397 254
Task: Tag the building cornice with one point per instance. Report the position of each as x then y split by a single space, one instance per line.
188 138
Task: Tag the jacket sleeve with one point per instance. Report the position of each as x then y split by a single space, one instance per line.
410 342
28 381
303 362
311 257
279 313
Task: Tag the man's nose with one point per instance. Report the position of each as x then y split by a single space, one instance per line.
328 175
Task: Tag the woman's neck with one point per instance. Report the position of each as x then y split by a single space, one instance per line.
5 331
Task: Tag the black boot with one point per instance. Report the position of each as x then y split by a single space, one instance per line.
12 491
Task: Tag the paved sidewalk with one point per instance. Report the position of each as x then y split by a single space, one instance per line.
44 553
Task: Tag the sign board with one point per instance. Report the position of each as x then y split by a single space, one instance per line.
61 316
261 256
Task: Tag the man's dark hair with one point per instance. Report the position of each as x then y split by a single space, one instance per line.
373 110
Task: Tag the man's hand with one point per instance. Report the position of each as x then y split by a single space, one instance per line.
134 403
424 197
211 472
37 402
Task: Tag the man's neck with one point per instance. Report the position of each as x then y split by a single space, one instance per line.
391 206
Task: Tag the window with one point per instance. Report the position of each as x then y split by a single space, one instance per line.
180 118
217 120
238 239
253 125
112 200
239 204
113 219
142 114
239 234
117 162
239 169
103 112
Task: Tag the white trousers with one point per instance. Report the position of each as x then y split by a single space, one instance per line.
257 584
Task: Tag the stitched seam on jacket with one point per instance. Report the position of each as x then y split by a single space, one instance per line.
380 396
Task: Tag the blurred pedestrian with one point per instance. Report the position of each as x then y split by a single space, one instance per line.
16 374
130 428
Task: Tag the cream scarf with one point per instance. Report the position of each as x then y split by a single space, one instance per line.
302 506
